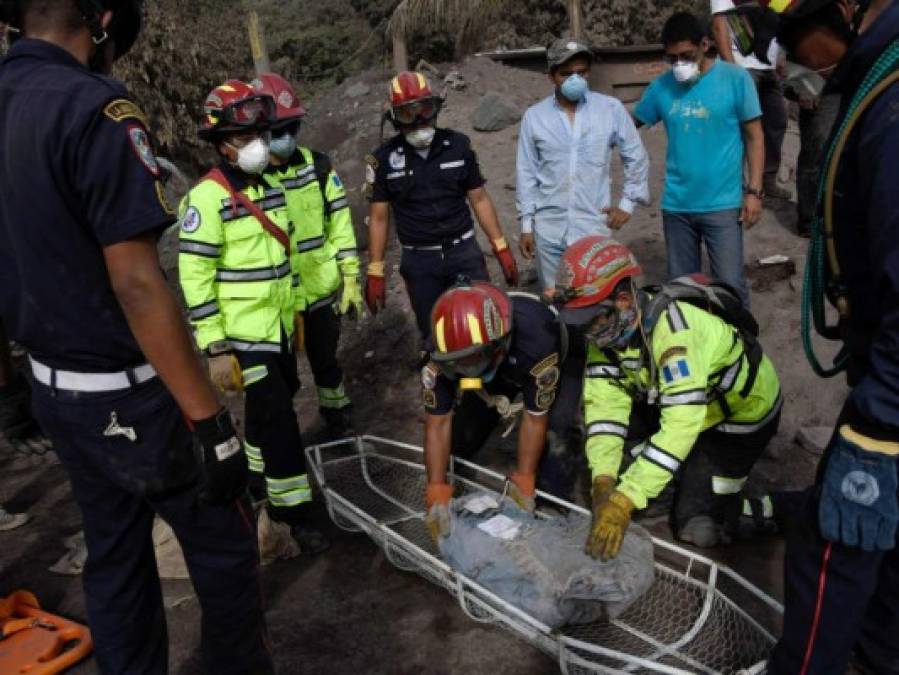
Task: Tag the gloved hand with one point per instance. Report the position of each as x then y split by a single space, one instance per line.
611 518
224 460
225 372
299 333
351 296
375 289
506 260
522 490
438 519
17 424
858 502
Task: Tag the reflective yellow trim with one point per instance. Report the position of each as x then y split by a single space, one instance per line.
395 84
470 383
254 374
779 5
475 329
439 336
422 82
721 485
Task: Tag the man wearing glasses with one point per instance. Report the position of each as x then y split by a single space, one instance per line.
235 263
430 177
712 115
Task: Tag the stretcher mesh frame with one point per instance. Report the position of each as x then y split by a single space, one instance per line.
698 616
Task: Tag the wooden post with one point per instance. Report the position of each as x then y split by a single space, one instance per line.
400 54
574 18
261 62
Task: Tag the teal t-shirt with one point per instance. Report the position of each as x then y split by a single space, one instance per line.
705 136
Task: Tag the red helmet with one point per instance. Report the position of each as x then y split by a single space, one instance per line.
412 100
234 107
589 271
288 106
471 325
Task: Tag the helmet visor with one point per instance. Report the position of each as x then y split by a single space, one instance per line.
471 362
425 110
605 326
252 112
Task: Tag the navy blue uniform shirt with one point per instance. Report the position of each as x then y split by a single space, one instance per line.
531 367
866 229
429 196
77 174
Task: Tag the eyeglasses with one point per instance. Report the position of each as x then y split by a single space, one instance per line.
424 110
251 112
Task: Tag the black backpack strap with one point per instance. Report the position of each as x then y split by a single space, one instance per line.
323 167
754 353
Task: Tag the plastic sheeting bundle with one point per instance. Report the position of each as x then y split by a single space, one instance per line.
539 565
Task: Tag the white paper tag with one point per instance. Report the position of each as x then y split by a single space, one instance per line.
501 527
477 505
227 449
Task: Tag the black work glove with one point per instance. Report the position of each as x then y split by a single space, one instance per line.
17 424
224 460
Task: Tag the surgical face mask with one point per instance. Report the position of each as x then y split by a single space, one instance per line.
283 146
686 72
253 157
574 88
420 138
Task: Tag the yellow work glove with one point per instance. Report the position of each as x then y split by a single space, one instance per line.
225 372
299 332
611 517
522 491
351 296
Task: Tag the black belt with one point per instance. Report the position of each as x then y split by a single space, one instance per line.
449 243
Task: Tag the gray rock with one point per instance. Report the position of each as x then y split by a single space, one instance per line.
494 113
357 90
814 439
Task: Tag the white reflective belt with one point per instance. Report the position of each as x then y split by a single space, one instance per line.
606 428
721 485
684 398
439 247
738 428
69 380
603 371
244 346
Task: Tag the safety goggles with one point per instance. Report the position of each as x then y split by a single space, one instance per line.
605 325
425 110
250 113
471 362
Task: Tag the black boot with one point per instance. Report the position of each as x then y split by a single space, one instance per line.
338 423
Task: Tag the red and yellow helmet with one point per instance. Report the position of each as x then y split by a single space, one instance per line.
471 325
235 107
288 106
412 100
589 271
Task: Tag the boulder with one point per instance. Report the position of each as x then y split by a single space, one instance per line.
494 113
357 90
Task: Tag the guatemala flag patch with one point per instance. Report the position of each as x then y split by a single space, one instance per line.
675 370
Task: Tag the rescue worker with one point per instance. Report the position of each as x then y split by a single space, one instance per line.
490 348
244 304
326 259
718 399
117 385
430 177
841 568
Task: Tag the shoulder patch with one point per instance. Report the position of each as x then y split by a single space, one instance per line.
675 370
191 220
545 398
429 398
671 353
336 180
429 376
123 109
371 166
140 143
549 362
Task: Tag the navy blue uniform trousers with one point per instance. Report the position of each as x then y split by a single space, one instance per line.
429 273
839 600
120 484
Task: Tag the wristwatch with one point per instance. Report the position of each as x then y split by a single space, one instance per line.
756 192
218 347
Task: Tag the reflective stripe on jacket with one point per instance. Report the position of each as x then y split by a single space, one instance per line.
700 361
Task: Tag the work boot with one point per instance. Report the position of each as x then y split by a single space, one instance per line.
774 191
10 521
521 490
337 423
702 531
311 540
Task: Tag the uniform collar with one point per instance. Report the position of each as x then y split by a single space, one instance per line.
41 49
443 140
238 179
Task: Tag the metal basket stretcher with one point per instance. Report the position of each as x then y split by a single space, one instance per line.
698 616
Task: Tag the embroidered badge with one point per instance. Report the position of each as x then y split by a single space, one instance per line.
675 370
672 352
163 200
123 109
429 398
336 180
191 221
140 142
545 399
547 363
429 376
